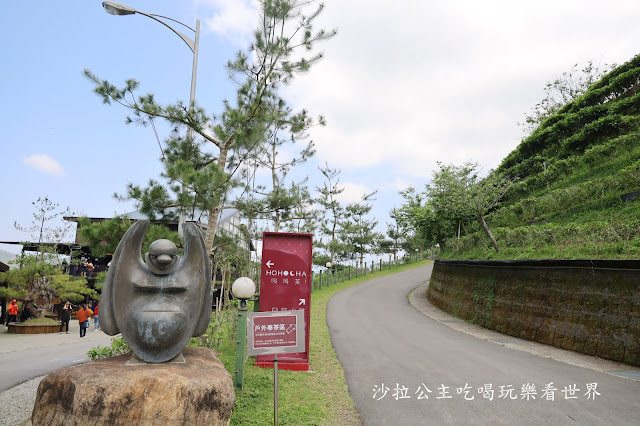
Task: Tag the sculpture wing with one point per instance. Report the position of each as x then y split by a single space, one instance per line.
126 260
195 268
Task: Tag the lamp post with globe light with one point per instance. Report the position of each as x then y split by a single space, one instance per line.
119 9
243 288
329 265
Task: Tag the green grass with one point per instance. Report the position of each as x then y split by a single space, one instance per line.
316 397
580 220
39 321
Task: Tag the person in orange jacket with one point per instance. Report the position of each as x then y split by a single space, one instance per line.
83 318
12 311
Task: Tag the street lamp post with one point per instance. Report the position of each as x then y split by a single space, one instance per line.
243 288
118 9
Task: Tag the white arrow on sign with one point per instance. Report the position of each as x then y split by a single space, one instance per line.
269 263
302 302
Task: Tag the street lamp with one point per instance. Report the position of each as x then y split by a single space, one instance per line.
328 265
243 288
113 8
118 9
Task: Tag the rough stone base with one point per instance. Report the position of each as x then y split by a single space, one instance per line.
200 391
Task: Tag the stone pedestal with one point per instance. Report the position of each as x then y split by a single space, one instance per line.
199 391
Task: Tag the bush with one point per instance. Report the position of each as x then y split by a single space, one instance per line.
118 347
223 327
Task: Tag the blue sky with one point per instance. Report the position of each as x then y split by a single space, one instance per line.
404 84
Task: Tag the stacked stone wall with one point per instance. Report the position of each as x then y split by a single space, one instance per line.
592 307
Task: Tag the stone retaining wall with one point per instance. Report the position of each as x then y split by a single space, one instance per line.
586 306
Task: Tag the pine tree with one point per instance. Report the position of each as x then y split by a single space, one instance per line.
279 203
201 170
333 213
357 232
397 236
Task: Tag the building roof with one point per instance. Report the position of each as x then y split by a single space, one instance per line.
61 248
198 216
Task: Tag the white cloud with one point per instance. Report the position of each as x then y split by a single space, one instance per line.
397 184
353 192
233 19
405 85
45 164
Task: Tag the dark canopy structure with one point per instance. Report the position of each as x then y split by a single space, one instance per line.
60 248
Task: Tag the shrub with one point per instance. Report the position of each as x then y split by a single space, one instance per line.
118 347
223 326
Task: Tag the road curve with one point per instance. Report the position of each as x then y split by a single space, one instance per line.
20 366
404 368
26 356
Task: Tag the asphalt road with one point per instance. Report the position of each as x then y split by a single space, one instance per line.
24 357
404 368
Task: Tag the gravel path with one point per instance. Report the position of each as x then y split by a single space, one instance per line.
16 403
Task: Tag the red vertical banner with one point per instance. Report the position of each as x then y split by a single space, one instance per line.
285 285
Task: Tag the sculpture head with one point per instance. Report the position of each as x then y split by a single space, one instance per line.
162 257
159 305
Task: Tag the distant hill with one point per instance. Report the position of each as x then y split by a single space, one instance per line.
6 257
572 173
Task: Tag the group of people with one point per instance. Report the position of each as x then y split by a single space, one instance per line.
84 316
84 268
85 313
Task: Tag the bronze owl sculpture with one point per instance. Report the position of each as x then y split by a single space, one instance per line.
160 304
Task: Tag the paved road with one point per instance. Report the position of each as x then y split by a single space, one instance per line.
23 357
392 353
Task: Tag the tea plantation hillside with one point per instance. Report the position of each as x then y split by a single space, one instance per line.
571 173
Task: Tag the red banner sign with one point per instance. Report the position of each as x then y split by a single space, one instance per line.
285 285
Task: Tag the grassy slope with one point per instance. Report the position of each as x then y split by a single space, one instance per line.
572 171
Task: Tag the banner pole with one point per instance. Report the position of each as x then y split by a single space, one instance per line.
275 390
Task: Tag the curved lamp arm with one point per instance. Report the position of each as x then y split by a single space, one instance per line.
114 8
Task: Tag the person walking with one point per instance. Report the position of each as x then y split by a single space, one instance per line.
12 311
83 267
83 318
65 316
96 322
